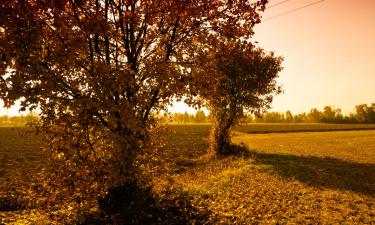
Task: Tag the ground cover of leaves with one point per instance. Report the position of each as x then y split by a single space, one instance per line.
288 178
20 159
285 178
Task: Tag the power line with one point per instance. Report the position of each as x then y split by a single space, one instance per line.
276 4
293 10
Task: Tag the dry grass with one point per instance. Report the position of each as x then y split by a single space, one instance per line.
20 156
289 178
256 128
352 146
293 178
20 159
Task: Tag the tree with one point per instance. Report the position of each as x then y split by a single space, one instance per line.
314 116
186 118
273 117
361 113
4 120
199 117
177 117
338 116
288 117
329 114
370 112
99 70
242 77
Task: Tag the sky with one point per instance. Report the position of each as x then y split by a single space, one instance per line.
328 50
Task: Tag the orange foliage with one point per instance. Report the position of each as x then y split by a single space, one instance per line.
98 71
241 78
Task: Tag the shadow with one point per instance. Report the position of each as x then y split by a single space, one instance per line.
9 204
322 172
183 165
131 205
235 151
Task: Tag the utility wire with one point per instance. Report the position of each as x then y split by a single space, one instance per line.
293 10
276 4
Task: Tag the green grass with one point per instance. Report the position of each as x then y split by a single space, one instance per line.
289 178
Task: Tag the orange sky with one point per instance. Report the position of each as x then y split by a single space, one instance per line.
329 51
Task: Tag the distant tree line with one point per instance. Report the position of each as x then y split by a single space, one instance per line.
21 120
198 117
363 113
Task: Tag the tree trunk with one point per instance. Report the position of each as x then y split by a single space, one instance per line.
220 143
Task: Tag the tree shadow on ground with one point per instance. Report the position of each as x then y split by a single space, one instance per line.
322 172
131 205
9 204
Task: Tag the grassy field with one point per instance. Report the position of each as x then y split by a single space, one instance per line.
288 178
19 154
20 159
256 128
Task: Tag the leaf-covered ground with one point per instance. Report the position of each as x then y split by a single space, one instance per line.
291 178
20 159
288 178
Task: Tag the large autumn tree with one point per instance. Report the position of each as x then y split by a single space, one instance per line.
238 77
98 70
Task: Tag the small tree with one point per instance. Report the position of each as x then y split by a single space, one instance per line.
288 116
242 77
